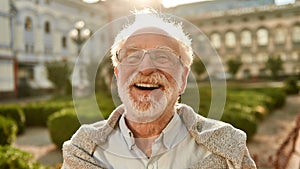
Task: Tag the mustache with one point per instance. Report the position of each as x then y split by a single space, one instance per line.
154 78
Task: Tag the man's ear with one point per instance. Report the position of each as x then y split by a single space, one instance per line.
184 78
116 72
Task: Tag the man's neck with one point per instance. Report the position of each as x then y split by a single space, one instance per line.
150 129
146 133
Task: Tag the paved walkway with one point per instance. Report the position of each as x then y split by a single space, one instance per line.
294 162
274 130
37 141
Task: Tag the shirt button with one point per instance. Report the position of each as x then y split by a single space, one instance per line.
150 166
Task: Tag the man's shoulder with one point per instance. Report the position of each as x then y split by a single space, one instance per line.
206 126
218 137
214 132
88 131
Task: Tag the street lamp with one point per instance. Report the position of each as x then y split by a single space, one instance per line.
79 34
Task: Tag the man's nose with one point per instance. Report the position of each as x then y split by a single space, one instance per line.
146 66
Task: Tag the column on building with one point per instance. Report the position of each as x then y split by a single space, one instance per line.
57 43
7 70
39 43
5 32
18 38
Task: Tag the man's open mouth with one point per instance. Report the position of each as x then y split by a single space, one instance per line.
146 86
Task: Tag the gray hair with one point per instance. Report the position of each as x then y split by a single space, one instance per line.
150 18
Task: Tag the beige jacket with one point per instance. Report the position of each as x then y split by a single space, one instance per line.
227 144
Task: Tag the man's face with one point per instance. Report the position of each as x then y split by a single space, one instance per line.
150 87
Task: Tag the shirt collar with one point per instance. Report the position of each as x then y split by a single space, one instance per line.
126 132
174 132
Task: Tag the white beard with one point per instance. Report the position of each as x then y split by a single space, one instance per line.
145 108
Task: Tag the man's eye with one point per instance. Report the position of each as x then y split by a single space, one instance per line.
132 58
162 58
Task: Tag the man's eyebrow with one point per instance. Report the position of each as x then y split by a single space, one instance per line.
131 46
165 47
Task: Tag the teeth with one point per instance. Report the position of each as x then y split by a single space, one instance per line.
147 85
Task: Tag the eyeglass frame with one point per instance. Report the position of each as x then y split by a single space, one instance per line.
152 57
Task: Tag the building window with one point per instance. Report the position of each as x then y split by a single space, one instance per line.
262 57
262 37
246 38
230 39
48 50
216 40
47 27
296 33
247 58
283 56
295 56
28 24
64 42
29 48
279 35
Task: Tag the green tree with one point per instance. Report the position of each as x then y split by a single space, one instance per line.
59 73
198 66
234 66
274 64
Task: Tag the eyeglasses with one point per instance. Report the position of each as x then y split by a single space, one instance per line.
161 58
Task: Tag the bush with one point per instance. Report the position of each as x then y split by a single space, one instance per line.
241 117
8 131
16 113
277 96
105 103
291 86
37 113
259 104
62 125
12 158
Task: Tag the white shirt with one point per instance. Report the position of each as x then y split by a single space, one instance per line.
174 148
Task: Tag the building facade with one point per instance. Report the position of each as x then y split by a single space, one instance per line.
251 31
36 32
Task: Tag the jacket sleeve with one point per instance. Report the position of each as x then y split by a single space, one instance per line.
78 152
247 162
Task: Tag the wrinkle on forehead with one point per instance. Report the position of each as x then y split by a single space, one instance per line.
153 30
139 38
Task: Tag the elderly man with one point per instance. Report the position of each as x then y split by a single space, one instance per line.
150 129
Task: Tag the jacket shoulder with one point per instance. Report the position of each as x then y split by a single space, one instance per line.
222 139
218 137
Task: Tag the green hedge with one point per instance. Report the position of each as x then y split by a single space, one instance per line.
12 158
62 125
105 103
291 86
16 113
241 117
8 131
277 96
37 113
245 107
